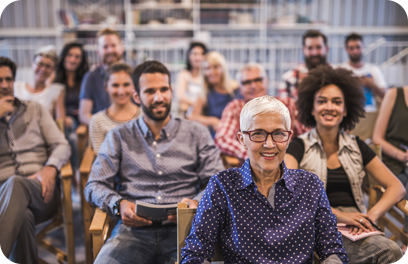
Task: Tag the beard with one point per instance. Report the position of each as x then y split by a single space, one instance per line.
110 61
149 111
311 64
356 58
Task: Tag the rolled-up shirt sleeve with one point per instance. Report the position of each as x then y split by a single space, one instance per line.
100 188
206 225
328 240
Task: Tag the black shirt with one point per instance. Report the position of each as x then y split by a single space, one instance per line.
338 187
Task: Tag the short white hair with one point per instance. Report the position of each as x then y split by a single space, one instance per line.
262 105
249 66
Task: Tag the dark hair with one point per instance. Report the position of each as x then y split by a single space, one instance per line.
107 31
151 66
6 62
190 48
324 75
353 36
313 33
61 74
115 68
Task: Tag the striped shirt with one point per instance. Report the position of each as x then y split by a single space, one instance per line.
133 165
30 140
100 124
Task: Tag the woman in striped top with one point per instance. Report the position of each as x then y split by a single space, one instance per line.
119 84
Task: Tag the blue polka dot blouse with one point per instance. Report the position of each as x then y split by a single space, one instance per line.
284 228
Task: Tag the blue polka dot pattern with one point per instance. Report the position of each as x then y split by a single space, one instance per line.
252 230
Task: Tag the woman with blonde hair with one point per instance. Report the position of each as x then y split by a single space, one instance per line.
219 89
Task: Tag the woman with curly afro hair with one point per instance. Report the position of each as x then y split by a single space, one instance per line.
331 101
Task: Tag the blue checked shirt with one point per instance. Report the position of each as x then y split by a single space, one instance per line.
294 221
132 165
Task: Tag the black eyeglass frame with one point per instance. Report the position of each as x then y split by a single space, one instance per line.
267 134
255 80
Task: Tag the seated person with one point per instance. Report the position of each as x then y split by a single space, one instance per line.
264 212
253 83
331 102
50 95
156 159
190 80
119 84
219 89
391 133
92 96
32 152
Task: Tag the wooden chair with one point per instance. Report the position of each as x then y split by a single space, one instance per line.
97 224
63 217
184 221
82 134
229 161
87 210
398 211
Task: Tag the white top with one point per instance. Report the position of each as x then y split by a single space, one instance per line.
100 124
47 97
374 71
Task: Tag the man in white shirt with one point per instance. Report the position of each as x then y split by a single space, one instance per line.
372 81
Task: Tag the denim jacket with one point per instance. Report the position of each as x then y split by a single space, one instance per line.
315 160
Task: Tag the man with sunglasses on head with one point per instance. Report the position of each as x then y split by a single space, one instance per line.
253 83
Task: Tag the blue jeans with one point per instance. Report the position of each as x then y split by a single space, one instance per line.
142 245
71 136
403 177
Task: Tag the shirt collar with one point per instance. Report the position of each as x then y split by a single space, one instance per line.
345 141
246 179
168 130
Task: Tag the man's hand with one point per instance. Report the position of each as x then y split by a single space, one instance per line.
6 105
46 176
129 218
193 204
367 82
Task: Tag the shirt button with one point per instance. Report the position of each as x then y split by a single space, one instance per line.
159 197
158 155
168 135
160 172
154 143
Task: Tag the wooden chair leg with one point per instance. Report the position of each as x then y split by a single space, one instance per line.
69 225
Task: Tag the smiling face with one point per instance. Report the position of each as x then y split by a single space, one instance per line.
265 157
212 72
43 68
154 96
253 84
196 57
315 52
110 49
73 59
120 88
329 107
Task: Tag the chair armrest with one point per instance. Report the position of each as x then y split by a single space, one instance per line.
82 131
87 161
98 221
66 171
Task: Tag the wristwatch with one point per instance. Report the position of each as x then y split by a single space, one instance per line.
116 207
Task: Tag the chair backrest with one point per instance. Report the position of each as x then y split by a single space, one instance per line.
184 221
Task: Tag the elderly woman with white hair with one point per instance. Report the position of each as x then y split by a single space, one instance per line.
264 212
43 91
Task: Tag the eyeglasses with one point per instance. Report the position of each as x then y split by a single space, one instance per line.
260 136
45 66
256 81
7 79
